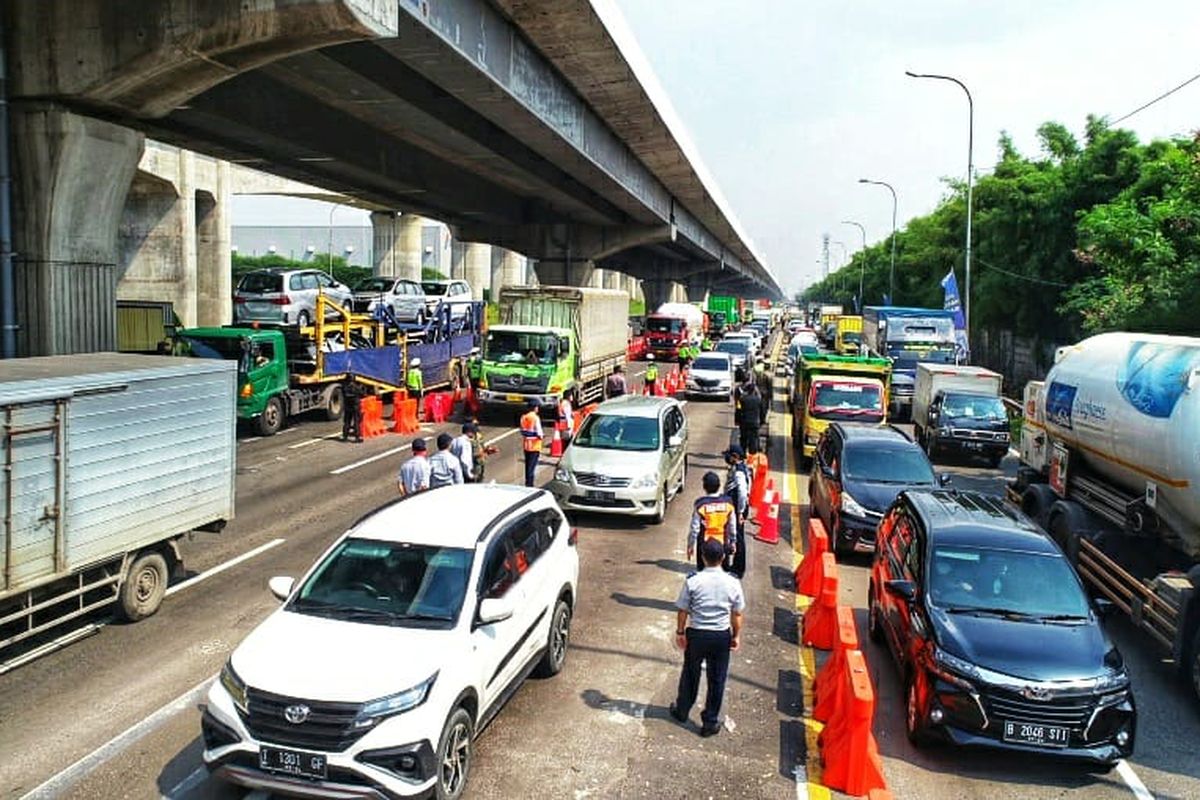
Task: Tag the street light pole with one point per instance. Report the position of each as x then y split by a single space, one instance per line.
862 269
970 181
892 271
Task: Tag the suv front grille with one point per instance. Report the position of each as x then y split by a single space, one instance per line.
598 481
328 728
1067 712
984 436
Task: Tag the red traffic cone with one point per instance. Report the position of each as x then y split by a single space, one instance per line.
556 444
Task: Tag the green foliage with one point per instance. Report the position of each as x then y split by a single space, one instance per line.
637 308
337 266
431 274
1089 237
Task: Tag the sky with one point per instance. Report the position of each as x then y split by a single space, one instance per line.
790 102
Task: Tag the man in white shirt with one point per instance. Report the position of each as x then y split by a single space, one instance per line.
461 448
444 468
414 473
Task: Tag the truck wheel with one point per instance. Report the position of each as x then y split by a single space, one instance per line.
1036 502
334 404
931 448
144 587
271 419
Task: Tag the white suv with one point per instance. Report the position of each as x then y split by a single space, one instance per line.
400 643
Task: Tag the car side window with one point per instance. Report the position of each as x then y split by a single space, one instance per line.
912 559
526 543
498 573
901 541
296 282
308 281
549 522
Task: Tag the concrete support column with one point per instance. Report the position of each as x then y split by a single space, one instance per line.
385 240
657 291
214 273
507 270
560 272
612 279
477 268
72 174
678 293
632 287
408 237
597 279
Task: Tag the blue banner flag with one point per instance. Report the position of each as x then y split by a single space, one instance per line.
952 302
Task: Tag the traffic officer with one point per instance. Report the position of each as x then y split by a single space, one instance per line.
531 439
713 517
651 375
414 473
708 627
737 488
566 419
750 408
351 410
414 381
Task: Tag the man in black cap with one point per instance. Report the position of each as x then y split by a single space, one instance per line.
737 489
708 627
414 473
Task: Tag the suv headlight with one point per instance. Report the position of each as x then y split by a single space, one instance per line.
234 685
562 474
645 482
393 704
954 670
851 506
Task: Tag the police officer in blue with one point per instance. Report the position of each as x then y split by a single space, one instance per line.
708 629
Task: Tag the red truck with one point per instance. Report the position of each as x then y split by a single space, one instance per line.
672 326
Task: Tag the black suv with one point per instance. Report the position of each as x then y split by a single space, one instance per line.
857 472
995 638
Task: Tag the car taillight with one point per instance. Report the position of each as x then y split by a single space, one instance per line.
281 300
573 537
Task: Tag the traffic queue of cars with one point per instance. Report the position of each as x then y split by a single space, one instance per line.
995 639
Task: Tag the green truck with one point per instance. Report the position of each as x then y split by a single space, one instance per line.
723 311
282 373
552 341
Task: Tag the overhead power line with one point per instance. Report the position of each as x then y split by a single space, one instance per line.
1162 96
1019 276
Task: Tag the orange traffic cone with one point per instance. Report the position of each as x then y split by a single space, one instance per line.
556 444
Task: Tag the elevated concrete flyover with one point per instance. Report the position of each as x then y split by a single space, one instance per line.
535 126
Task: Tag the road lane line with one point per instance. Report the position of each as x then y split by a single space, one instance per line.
57 784
233 562
502 436
372 459
1133 781
317 440
198 776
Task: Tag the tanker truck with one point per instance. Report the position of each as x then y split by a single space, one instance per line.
1110 467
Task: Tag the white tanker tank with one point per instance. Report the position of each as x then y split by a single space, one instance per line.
1128 406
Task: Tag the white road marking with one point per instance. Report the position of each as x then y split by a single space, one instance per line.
317 440
59 783
283 432
233 562
372 459
491 442
198 776
1133 781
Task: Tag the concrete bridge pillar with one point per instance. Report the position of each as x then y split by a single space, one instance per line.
71 176
657 291
408 236
397 244
612 279
507 270
214 232
477 268
633 287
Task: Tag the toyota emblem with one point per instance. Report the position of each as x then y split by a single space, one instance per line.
296 714
1036 693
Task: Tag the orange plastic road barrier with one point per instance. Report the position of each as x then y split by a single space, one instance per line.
438 406
809 574
820 621
758 484
372 418
828 687
879 794
404 414
848 749
768 531
472 401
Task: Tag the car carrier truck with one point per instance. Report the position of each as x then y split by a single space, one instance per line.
108 460
1109 467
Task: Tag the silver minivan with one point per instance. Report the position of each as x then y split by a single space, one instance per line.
628 457
287 297
406 298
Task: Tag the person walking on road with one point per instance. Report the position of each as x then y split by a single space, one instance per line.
351 411
713 517
414 381
615 386
750 415
463 448
531 439
737 488
414 473
444 467
708 628
651 376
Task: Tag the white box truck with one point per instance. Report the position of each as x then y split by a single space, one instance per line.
957 408
108 460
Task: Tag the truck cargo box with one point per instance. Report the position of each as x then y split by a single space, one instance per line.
597 315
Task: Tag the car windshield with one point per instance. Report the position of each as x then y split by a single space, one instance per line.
710 364
854 337
843 400
387 583
985 580
974 406
433 288
618 432
511 347
261 283
375 285
665 324
901 465
737 347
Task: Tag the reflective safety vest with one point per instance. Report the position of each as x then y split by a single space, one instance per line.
531 432
714 513
652 373
415 379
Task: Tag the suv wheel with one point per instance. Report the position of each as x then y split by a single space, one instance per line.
556 643
454 756
914 715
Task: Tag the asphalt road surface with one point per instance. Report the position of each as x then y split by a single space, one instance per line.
115 715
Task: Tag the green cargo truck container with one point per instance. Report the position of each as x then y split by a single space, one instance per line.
728 306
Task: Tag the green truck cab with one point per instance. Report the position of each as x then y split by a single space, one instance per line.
520 362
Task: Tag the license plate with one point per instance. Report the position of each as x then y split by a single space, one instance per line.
515 398
973 446
1041 735
606 496
290 762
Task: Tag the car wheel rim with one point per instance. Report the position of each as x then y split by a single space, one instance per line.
562 631
456 760
147 584
912 707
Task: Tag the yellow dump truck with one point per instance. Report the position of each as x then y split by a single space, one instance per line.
848 339
829 389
